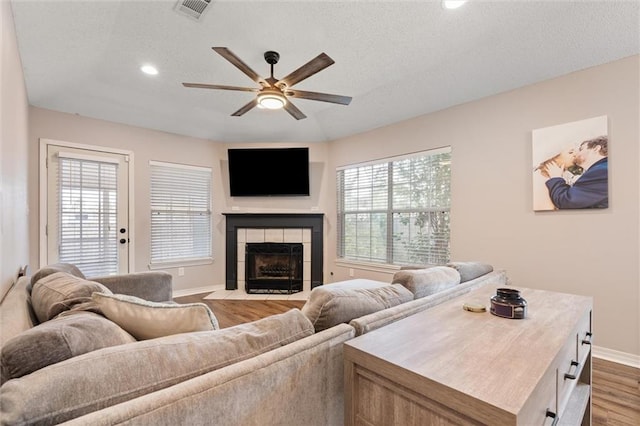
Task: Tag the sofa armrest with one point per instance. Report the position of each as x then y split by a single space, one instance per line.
16 314
155 286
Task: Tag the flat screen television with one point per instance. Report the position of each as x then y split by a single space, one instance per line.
268 172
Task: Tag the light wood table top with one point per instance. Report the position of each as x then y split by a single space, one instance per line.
446 351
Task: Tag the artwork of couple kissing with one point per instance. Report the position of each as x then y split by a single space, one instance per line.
570 166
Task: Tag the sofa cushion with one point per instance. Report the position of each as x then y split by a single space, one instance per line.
106 377
148 320
423 282
328 306
52 269
59 292
355 283
59 339
470 270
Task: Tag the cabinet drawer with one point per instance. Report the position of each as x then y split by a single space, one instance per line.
546 413
572 360
585 334
568 375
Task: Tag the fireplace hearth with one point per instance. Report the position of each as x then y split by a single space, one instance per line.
273 267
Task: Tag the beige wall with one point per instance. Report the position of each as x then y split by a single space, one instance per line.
591 252
146 145
14 241
149 145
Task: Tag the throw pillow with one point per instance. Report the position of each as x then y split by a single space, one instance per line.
328 306
60 292
113 375
470 270
148 320
424 282
52 269
59 339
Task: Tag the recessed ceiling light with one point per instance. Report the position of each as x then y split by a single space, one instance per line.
149 69
452 4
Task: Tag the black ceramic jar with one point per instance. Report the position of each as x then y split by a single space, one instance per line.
508 303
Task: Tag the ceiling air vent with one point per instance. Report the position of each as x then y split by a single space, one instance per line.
192 8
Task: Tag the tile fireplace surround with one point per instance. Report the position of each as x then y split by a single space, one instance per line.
275 227
275 235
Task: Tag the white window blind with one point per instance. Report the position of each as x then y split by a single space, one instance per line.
180 213
87 207
396 211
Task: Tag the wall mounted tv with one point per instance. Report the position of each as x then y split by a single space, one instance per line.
267 172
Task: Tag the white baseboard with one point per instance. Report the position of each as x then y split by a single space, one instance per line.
616 356
197 290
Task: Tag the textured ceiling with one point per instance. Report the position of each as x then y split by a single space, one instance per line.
397 59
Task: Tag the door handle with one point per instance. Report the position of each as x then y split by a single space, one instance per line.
123 240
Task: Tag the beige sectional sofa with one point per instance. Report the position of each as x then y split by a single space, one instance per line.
286 369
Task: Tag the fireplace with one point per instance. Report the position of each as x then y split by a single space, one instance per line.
273 267
243 228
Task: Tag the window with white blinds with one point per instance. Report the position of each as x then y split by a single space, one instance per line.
180 213
397 210
87 212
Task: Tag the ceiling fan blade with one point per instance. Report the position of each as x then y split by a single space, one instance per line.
215 86
294 111
315 65
231 57
245 108
324 97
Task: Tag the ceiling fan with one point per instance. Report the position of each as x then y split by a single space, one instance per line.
274 93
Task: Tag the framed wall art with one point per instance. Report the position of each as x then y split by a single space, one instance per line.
570 165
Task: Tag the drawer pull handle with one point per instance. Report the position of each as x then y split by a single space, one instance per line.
587 338
553 416
572 376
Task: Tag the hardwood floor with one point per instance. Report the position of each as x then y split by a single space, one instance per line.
234 312
616 387
616 394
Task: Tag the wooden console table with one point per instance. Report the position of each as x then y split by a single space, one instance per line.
447 366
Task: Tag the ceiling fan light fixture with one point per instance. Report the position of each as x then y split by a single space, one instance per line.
271 100
273 93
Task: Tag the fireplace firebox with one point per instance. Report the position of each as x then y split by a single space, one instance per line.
273 267
237 221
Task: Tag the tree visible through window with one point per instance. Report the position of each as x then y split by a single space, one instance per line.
180 213
396 211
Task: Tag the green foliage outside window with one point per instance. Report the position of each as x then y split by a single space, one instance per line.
396 211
